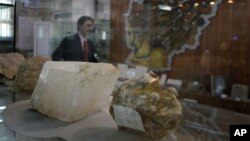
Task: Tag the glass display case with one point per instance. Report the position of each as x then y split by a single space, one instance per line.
200 47
196 42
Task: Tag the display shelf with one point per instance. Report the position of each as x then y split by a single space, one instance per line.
199 122
216 101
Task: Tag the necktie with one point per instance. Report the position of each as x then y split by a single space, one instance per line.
85 51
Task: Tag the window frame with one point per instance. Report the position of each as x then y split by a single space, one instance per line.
7 21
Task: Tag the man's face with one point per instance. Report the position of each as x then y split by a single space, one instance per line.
86 27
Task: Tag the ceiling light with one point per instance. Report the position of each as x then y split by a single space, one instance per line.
180 5
2 107
165 7
212 3
196 4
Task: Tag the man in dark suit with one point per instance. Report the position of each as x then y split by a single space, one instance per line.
77 47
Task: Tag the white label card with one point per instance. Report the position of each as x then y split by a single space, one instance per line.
128 117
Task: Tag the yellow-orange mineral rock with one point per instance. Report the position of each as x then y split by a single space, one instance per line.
143 106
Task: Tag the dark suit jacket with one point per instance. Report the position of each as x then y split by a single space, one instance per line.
70 49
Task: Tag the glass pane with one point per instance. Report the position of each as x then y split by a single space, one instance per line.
7 1
202 44
6 21
6 28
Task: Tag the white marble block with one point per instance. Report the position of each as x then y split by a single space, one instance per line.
70 91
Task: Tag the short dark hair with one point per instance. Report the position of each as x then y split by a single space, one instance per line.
82 20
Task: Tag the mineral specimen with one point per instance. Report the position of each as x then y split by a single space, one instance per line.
70 91
27 74
143 106
9 63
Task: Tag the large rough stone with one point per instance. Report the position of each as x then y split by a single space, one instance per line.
144 107
28 74
9 63
70 91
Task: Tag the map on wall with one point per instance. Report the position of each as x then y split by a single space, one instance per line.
157 30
